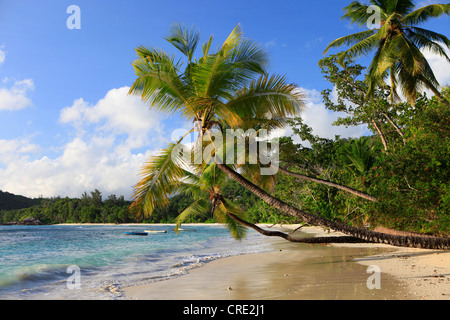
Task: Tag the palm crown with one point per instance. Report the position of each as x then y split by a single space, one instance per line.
397 43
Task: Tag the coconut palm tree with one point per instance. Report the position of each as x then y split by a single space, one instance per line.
229 87
397 42
217 91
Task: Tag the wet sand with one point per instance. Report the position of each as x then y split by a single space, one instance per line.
304 272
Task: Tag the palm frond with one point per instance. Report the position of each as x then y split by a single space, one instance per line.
370 43
237 230
431 35
423 14
377 71
356 12
161 176
350 39
215 64
197 208
413 84
267 98
158 82
424 42
357 156
184 39
410 55
264 123
206 46
249 59
361 48
399 6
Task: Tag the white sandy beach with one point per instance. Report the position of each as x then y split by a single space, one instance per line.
302 272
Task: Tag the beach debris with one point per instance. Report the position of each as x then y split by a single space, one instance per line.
26 222
113 289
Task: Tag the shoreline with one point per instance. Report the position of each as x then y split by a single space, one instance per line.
335 271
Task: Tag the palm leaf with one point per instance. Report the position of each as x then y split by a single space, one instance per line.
161 176
431 35
206 46
356 12
237 230
158 82
423 42
197 208
268 98
399 6
372 42
213 176
410 55
377 71
361 48
350 39
423 14
184 39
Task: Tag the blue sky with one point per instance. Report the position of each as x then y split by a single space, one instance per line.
66 122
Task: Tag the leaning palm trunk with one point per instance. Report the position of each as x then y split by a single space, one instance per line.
363 234
329 183
291 238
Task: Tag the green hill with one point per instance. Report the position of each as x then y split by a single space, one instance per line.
9 201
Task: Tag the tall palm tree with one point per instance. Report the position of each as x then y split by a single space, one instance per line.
229 87
397 43
216 91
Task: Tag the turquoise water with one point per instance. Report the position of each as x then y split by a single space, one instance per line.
34 260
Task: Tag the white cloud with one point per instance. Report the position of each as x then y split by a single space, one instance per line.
15 97
2 55
116 114
13 150
84 166
102 153
439 65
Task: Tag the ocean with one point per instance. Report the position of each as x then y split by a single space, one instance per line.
95 262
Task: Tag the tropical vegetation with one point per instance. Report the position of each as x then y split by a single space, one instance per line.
396 177
89 208
230 88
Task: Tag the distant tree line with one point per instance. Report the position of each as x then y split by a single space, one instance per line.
89 208
9 201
